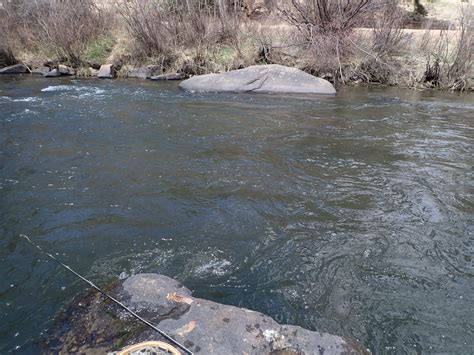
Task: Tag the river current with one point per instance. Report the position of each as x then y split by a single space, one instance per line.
352 214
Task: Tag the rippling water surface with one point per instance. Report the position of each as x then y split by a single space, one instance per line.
350 214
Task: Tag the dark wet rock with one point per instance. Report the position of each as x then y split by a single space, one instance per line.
65 70
169 76
260 78
15 69
52 73
40 70
93 324
144 72
106 71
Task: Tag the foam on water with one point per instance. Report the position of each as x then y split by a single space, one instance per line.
85 90
216 267
21 99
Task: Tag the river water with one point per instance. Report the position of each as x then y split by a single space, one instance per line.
351 215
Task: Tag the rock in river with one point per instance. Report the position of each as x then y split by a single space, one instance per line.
41 70
143 72
106 71
65 70
52 73
260 78
91 324
169 76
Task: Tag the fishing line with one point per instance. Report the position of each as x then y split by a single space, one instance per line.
162 333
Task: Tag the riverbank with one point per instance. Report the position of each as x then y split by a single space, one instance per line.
154 73
93 324
142 39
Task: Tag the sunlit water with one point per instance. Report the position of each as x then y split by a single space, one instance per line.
351 215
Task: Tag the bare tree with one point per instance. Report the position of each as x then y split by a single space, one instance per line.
159 27
325 27
60 28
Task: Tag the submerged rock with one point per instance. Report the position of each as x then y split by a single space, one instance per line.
93 324
65 70
41 70
144 72
52 73
260 78
169 76
106 71
15 69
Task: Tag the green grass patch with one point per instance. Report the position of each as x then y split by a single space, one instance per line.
98 50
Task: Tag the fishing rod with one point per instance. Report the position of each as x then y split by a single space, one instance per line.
159 331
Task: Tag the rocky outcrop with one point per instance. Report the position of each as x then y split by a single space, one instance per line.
106 71
91 324
260 78
169 76
15 69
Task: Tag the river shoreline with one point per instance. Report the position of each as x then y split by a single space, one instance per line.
148 73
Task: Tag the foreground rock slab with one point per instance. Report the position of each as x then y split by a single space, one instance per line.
260 78
15 69
93 325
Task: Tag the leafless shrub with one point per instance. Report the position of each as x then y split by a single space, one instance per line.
147 24
384 39
159 28
6 56
459 70
60 28
325 27
66 27
387 24
450 62
10 25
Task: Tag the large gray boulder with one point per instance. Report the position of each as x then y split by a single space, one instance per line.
260 78
15 69
205 327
